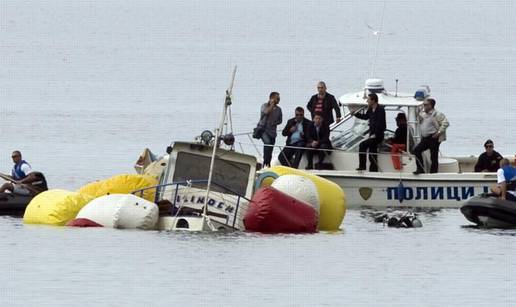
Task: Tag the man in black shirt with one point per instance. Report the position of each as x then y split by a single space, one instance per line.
488 161
324 103
376 116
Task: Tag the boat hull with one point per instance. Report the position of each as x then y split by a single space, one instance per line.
431 191
490 212
13 204
191 223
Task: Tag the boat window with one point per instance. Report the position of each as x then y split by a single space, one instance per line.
232 175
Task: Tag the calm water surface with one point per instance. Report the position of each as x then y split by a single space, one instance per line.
85 86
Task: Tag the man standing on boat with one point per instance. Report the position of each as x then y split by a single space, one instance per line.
24 181
324 103
270 118
296 131
376 116
488 161
433 126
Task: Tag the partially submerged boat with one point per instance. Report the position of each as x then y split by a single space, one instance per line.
490 212
203 187
389 187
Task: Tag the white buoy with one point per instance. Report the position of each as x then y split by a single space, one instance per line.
298 187
121 211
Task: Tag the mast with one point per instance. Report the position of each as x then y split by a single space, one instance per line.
227 103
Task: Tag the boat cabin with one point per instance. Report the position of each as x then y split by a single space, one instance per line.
183 184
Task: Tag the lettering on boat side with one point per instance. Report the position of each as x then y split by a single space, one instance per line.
457 193
199 199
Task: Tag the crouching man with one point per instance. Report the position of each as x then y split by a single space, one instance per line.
296 132
318 140
506 181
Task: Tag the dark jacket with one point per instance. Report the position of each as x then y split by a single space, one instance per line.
291 123
376 119
489 163
323 136
329 104
400 135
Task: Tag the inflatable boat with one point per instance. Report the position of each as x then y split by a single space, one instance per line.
490 212
13 204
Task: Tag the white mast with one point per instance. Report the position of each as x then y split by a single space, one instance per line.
227 103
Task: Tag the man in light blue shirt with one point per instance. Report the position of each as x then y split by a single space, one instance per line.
296 131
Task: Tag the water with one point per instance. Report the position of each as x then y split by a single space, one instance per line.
85 86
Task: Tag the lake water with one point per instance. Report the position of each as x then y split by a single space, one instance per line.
86 85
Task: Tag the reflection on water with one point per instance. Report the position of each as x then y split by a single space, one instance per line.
365 263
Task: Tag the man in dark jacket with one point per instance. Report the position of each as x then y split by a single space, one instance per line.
376 116
296 132
324 103
318 138
488 161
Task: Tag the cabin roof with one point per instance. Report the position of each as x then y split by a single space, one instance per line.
385 99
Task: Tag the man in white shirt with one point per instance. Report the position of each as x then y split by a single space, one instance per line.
433 126
506 181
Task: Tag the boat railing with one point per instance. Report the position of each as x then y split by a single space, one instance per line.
180 195
347 116
281 147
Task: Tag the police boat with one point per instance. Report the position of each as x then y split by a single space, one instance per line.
394 185
490 212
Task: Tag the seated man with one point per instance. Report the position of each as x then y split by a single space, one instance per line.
489 160
506 179
24 181
399 141
318 138
296 132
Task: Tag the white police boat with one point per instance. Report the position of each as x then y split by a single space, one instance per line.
455 181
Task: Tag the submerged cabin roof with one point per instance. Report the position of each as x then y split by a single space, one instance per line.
384 98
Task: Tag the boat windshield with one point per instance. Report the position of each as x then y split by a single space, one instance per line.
234 175
357 130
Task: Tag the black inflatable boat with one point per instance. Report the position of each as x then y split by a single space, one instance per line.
490 212
13 204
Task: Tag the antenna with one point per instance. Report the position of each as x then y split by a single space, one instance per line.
227 103
378 33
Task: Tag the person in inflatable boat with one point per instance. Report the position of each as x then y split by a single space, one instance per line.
24 180
506 181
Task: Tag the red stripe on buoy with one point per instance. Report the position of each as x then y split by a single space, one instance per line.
82 222
272 211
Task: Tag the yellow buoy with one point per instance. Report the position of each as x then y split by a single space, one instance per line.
55 207
121 184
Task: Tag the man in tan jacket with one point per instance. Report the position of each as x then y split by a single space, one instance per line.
433 125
